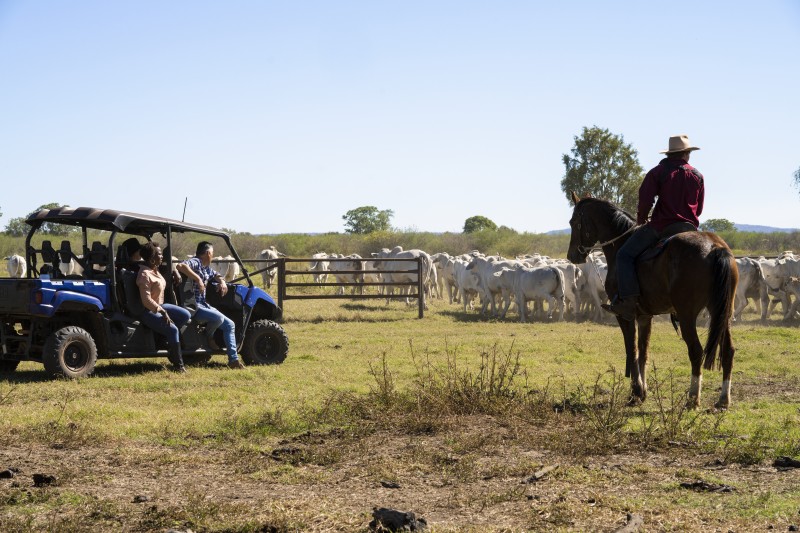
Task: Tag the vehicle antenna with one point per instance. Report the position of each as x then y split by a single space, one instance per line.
184 209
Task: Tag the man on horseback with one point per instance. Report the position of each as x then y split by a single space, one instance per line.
680 192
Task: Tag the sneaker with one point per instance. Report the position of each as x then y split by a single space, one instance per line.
236 364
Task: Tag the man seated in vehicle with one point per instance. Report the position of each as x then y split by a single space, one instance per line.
198 269
132 258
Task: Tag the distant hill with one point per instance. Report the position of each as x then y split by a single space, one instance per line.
764 229
740 227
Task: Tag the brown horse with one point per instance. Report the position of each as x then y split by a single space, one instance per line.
696 270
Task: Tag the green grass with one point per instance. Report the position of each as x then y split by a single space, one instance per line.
333 348
454 391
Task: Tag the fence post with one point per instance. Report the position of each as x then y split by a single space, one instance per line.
420 288
281 281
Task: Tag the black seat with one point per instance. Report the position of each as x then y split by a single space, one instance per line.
98 257
132 303
66 256
49 260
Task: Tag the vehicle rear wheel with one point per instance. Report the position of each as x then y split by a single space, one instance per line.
7 367
70 352
265 343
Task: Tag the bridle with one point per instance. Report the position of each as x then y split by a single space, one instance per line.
583 250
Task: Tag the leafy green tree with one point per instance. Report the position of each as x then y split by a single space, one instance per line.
367 219
478 223
717 225
16 227
603 165
796 176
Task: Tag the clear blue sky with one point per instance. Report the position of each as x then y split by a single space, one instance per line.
279 117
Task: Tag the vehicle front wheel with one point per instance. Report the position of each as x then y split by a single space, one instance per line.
69 352
265 343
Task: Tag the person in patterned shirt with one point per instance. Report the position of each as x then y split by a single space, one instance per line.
199 270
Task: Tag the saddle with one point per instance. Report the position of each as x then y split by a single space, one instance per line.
655 250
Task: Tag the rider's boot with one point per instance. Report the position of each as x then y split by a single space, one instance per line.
625 309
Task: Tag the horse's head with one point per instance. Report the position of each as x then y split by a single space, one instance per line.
583 233
596 220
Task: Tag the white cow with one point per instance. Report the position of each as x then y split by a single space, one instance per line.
268 276
227 267
392 270
750 277
467 282
546 283
793 287
372 274
17 267
72 268
776 273
572 274
593 292
485 268
319 267
446 275
350 262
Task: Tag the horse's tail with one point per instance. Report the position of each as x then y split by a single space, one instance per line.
720 305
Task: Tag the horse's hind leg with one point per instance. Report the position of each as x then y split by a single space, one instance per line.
689 332
726 360
628 328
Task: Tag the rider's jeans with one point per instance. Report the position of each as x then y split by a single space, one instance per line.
642 239
213 320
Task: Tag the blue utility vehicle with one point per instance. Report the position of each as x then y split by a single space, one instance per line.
76 306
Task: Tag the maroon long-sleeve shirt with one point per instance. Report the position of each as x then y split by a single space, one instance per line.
680 191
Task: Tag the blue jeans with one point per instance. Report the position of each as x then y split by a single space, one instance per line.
214 319
642 239
179 317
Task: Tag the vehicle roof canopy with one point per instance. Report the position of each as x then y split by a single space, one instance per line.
112 220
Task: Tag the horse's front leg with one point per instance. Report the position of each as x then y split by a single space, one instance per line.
645 327
628 328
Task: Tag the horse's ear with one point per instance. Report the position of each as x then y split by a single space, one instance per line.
575 198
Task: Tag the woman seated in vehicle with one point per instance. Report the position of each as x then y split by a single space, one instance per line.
166 319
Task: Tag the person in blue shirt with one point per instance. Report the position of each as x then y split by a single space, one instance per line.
199 270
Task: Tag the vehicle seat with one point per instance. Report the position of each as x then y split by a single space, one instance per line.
50 257
66 256
131 301
98 256
170 295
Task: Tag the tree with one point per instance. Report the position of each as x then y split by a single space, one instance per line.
603 166
16 227
796 176
478 223
367 219
717 225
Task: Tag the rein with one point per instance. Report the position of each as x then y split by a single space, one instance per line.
582 249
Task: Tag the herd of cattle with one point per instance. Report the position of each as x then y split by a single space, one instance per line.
489 284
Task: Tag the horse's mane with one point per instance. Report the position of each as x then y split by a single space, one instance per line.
619 217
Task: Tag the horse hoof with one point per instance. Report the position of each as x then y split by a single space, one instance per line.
722 405
635 401
692 405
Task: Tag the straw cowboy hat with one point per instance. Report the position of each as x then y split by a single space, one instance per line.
679 143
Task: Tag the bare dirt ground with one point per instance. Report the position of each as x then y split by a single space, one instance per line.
474 475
